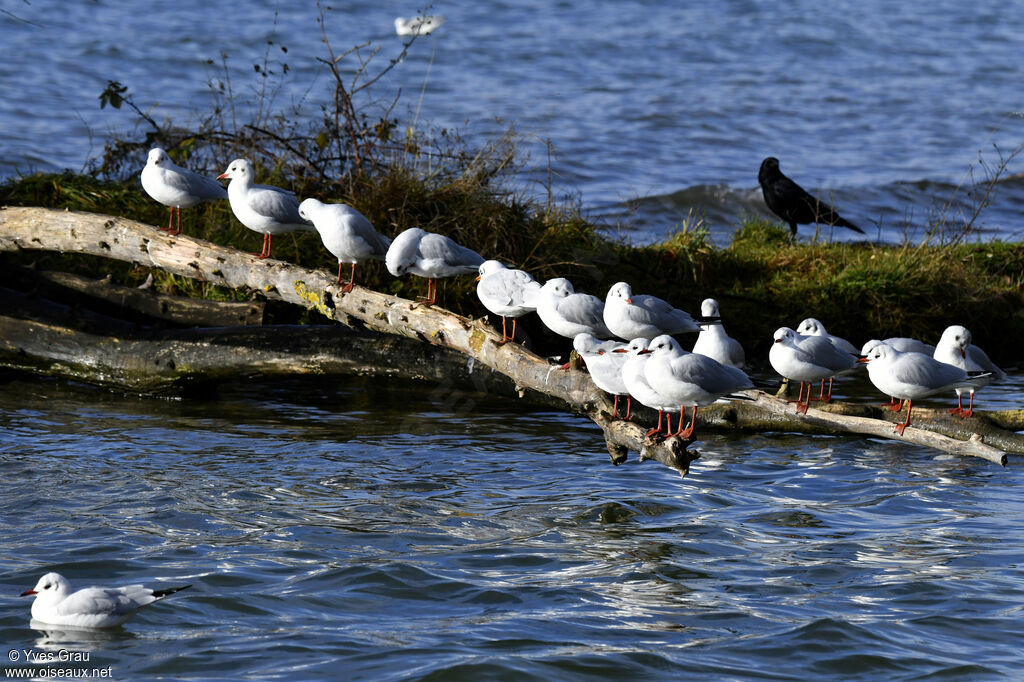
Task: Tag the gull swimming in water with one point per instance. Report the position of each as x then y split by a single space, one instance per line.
346 233
430 255
177 187
262 208
955 348
630 316
91 607
418 26
506 292
910 376
686 378
713 341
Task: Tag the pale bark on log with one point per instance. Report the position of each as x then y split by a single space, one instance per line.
43 229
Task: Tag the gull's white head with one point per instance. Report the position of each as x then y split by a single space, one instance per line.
559 287
869 346
785 336
620 291
489 267
586 343
308 208
879 352
52 587
709 308
637 345
811 327
956 337
664 345
157 157
237 169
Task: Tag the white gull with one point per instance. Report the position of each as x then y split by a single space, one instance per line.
506 292
713 341
91 607
630 316
265 209
807 359
910 376
955 348
426 254
686 378
346 233
177 187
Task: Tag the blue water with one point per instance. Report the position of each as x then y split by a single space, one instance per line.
654 110
347 530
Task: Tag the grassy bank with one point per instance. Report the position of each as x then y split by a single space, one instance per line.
354 150
859 291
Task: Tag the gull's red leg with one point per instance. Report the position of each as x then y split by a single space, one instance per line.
969 412
657 428
959 404
687 433
900 428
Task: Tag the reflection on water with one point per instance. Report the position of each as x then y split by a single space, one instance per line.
364 527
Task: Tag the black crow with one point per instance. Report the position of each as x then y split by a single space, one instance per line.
790 202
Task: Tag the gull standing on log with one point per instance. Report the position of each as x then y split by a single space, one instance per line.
262 208
506 292
813 327
346 233
91 607
900 343
955 348
713 341
910 376
807 359
430 255
687 378
567 313
177 187
640 389
630 316
604 362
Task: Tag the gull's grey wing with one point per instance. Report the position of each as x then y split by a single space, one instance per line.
277 204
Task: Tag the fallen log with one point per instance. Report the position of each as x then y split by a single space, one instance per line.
44 229
145 301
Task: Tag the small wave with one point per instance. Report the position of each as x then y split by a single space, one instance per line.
894 212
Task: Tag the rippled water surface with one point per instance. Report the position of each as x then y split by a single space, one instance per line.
654 109
329 534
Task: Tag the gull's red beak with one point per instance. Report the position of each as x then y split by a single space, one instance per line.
629 300
222 176
28 592
963 352
620 350
645 351
863 360
478 278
